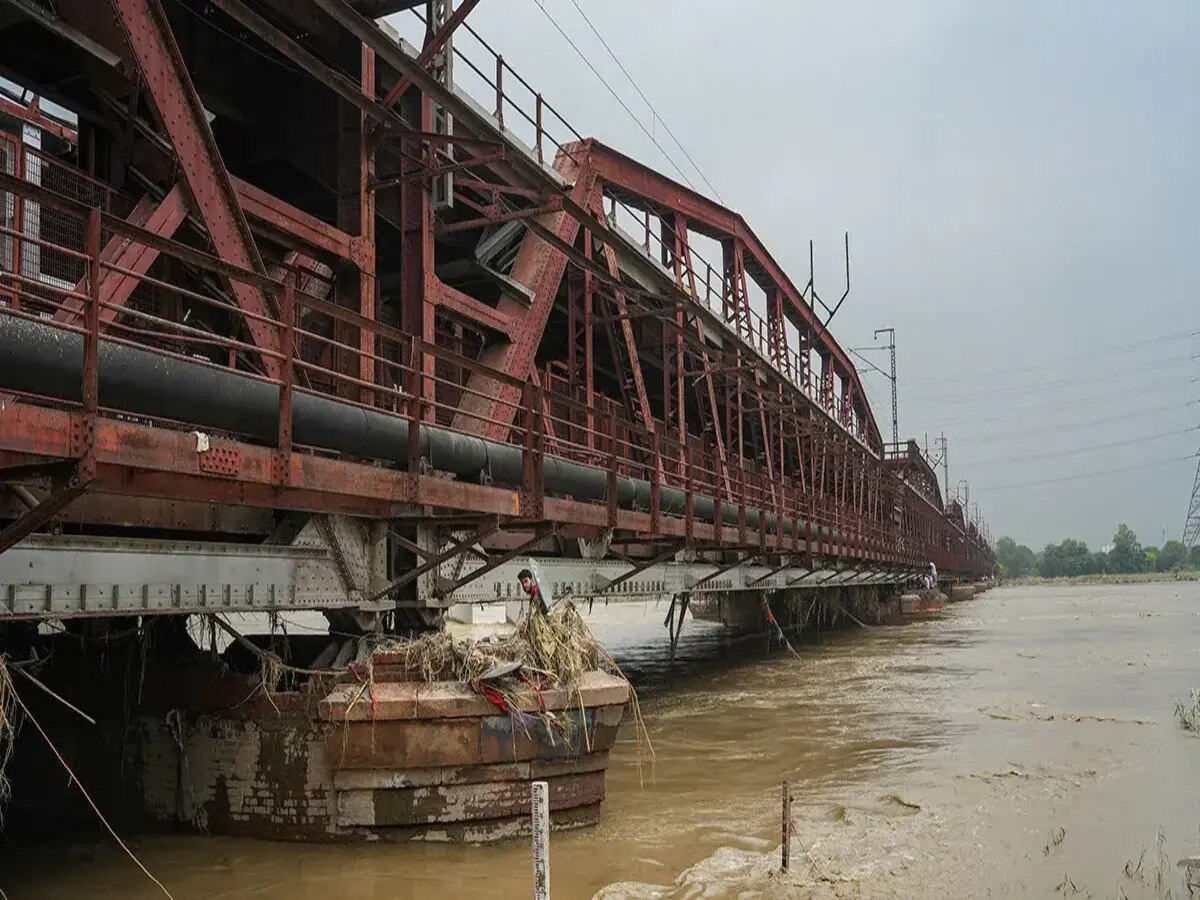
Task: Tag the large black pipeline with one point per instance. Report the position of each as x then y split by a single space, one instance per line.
41 359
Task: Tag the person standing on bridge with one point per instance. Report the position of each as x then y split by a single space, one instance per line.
530 586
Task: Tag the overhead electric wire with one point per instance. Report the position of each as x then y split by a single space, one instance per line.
1056 454
1084 475
1057 383
615 95
886 375
1067 426
1088 354
872 397
646 99
1074 401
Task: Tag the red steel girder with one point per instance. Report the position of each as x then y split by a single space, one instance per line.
418 280
282 218
643 413
267 214
494 215
150 46
488 409
433 46
683 262
141 460
469 309
56 501
32 113
117 287
710 218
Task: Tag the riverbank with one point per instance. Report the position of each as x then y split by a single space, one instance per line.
1173 576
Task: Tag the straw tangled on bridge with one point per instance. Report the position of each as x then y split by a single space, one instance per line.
557 645
552 649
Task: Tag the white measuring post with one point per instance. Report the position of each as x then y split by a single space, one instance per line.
541 840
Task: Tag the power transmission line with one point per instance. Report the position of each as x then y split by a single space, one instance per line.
1088 354
1057 383
1056 454
1074 401
1067 426
646 99
615 95
872 397
1084 475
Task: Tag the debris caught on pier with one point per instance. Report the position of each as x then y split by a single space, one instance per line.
549 649
8 727
557 645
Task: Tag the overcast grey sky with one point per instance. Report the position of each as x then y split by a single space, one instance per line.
1020 185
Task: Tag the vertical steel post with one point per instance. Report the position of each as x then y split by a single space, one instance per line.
690 497
741 500
18 223
416 413
440 21
418 283
718 516
589 362
611 492
85 440
287 377
532 460
500 91
367 343
540 156
655 479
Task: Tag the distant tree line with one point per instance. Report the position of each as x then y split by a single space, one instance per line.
1072 557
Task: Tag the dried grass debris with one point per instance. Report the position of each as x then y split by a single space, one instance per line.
1187 712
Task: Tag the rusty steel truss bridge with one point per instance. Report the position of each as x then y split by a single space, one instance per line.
290 318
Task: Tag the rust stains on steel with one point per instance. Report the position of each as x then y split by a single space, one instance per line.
291 193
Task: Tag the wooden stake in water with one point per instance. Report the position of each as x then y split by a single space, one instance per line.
785 850
541 840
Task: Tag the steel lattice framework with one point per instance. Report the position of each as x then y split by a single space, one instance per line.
1191 527
373 298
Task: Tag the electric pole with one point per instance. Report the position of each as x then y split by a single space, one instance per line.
891 333
890 376
943 460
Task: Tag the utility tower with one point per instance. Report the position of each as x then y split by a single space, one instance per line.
891 333
1191 528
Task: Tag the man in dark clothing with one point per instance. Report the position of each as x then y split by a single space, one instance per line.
530 586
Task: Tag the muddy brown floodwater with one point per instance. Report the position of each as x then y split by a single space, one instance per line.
1022 745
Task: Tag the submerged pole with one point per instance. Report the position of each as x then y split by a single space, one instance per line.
540 797
785 849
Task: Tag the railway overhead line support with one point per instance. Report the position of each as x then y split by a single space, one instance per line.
287 303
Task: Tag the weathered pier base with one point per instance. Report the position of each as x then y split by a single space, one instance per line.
184 741
923 603
818 608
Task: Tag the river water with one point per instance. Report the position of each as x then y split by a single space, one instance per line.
1024 744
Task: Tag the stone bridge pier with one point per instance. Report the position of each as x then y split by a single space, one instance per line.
744 612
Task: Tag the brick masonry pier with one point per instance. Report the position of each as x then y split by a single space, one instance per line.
195 745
